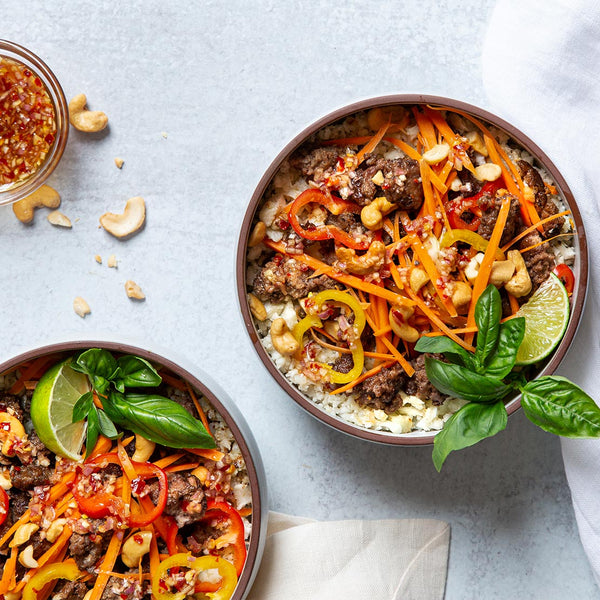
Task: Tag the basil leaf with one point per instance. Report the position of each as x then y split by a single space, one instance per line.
137 372
93 429
448 347
106 426
509 339
158 419
99 365
459 382
559 406
82 407
467 426
488 312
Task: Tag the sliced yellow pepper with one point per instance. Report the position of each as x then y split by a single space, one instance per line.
472 238
65 570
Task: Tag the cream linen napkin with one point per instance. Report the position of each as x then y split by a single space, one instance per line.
540 70
379 560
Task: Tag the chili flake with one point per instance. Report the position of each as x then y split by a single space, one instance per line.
27 121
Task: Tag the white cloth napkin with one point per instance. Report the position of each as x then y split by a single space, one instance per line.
380 560
540 71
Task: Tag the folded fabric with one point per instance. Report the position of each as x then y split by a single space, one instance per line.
384 560
540 71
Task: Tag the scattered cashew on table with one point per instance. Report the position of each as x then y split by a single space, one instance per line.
89 121
44 196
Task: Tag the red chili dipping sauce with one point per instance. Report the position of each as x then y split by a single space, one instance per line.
27 121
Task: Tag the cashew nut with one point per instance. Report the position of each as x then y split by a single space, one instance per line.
85 120
143 448
417 279
133 290
398 317
456 184
257 235
98 259
436 154
200 473
119 162
135 547
55 529
257 308
369 262
476 142
112 262
129 222
11 431
81 307
332 328
43 196
26 558
57 218
23 533
488 172
520 285
472 269
372 214
461 296
502 271
283 340
378 178
5 481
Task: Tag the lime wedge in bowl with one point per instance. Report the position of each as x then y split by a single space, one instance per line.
52 408
546 318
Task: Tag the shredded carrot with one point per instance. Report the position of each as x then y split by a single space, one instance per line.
182 467
126 463
199 409
532 228
428 207
9 570
426 128
102 446
514 304
168 460
396 237
486 264
373 142
21 521
560 235
245 512
107 565
406 148
408 368
349 280
214 455
364 376
35 370
173 381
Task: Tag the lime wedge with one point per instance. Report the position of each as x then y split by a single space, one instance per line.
52 409
546 317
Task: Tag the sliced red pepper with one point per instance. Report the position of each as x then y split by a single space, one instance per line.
4 502
564 273
455 209
324 232
221 512
101 504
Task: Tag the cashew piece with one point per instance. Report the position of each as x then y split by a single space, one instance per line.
398 316
26 558
378 178
119 162
5 482
417 279
112 262
257 308
461 297
133 290
520 285
257 235
369 262
15 430
372 214
143 449
436 154
200 473
55 529
135 547
502 271
81 307
283 340
476 142
129 222
472 269
89 121
44 196
23 533
57 218
488 172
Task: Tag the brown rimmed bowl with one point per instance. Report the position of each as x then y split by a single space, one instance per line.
580 267
199 381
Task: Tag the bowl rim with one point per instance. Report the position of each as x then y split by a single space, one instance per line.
580 241
16 52
231 414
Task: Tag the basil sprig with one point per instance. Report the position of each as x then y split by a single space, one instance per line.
117 382
486 377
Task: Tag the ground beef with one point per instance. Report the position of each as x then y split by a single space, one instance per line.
19 501
39 452
40 544
12 405
401 184
69 590
317 164
278 280
348 222
490 207
27 477
544 205
381 391
539 261
88 549
343 364
470 186
418 385
186 501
